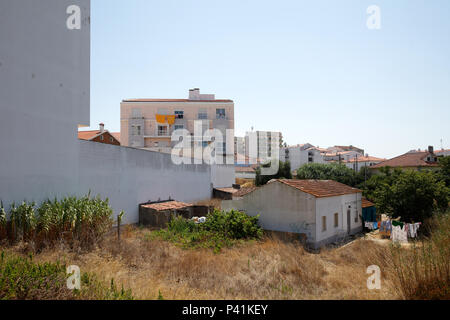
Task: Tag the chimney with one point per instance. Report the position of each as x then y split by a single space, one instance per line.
102 127
430 149
194 94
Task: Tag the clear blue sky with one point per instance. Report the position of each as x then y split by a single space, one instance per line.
310 69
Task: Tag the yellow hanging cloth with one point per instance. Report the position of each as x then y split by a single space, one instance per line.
161 118
171 119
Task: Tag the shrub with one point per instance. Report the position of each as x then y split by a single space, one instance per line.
221 229
233 224
23 279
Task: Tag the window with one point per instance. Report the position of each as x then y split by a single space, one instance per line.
136 113
111 139
220 114
162 131
178 127
324 224
179 114
202 114
156 143
356 216
136 130
102 138
336 220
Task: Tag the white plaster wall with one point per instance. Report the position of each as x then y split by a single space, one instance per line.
44 96
281 208
222 176
130 176
339 204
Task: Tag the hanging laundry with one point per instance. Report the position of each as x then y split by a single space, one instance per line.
375 225
397 223
399 234
413 227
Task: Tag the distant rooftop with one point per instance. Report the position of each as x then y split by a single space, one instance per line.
410 159
194 96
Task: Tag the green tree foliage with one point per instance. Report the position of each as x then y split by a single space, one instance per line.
284 172
444 173
413 195
333 171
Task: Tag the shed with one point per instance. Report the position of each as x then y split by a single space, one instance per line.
159 213
369 212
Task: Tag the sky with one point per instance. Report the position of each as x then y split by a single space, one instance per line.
310 69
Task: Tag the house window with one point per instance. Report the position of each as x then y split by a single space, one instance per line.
102 138
202 114
179 114
178 127
111 139
162 131
156 144
336 220
220 114
324 224
136 130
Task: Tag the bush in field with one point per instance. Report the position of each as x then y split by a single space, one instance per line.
221 229
23 279
83 220
233 224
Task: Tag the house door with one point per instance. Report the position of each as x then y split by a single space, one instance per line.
348 220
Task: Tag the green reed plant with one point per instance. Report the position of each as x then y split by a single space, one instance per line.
83 220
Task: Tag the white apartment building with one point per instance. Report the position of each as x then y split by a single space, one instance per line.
300 155
149 123
261 146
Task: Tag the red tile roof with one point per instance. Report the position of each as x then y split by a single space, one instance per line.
410 159
365 159
320 188
88 135
244 169
243 191
175 100
116 135
167 205
366 203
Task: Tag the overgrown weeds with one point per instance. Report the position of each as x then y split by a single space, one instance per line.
23 279
423 271
221 229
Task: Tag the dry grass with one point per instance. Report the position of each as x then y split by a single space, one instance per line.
266 269
269 269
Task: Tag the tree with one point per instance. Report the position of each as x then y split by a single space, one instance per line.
284 172
333 171
413 195
444 173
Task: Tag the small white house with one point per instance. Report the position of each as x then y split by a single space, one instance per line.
324 211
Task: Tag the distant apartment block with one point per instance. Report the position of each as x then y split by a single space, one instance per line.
149 123
261 146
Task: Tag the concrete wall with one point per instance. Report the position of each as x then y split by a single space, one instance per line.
44 96
281 208
130 176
